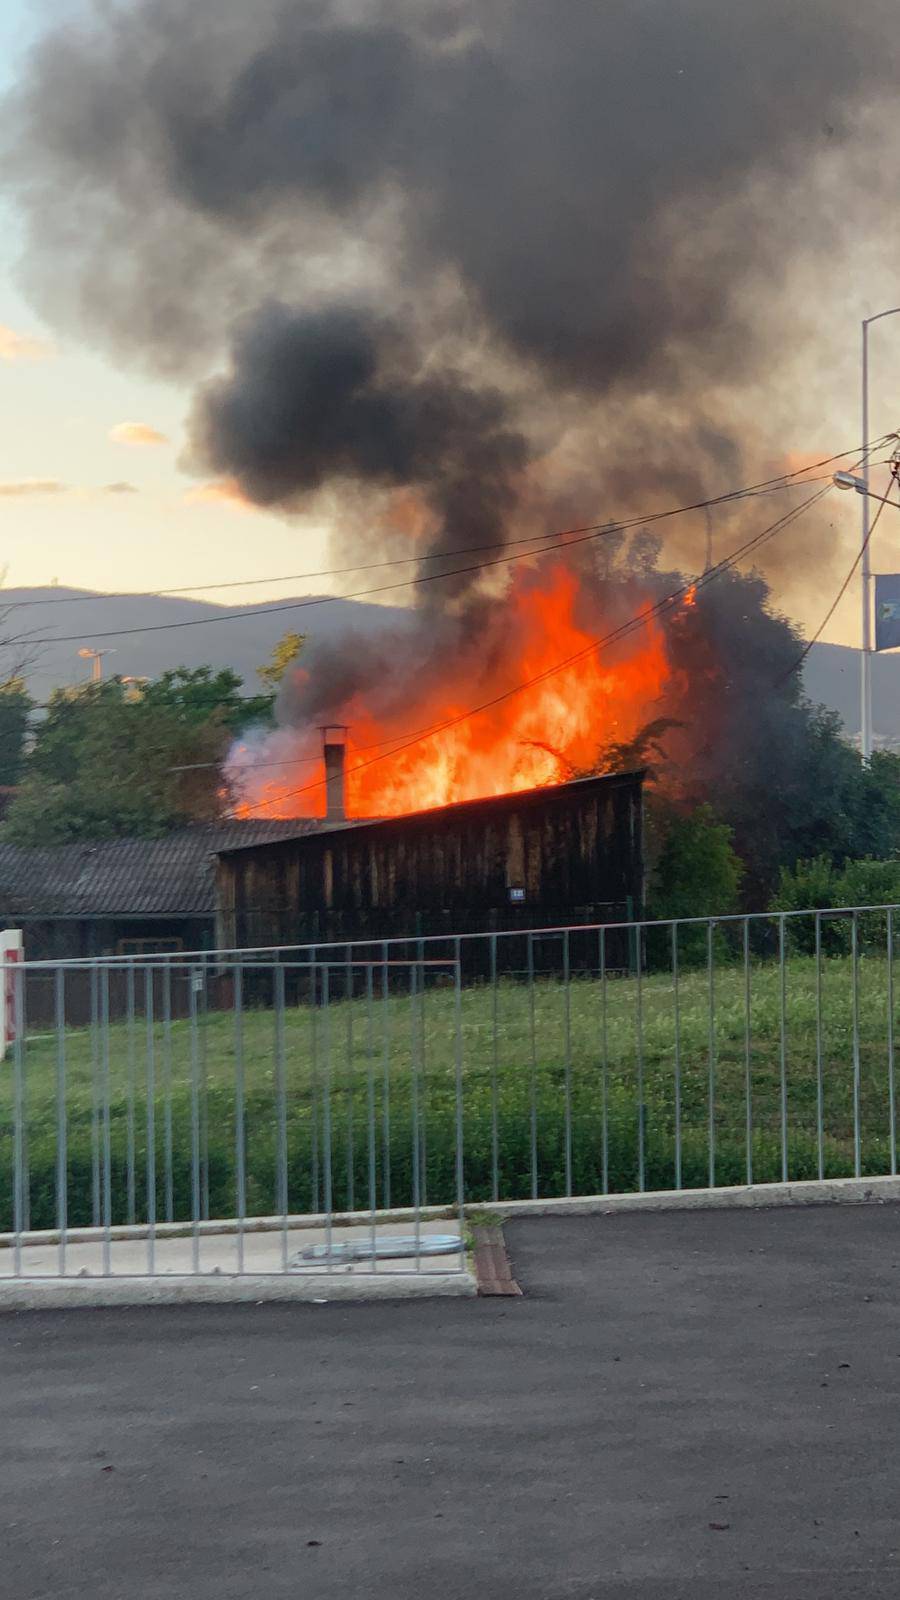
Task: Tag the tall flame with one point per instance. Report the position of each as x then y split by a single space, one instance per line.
527 740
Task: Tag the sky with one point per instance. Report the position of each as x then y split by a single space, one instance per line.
61 405
94 492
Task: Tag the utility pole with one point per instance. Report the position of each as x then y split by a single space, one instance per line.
865 671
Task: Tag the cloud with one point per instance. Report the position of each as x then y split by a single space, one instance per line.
220 492
21 488
21 347
136 433
119 488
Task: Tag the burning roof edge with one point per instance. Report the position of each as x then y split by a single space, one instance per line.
528 796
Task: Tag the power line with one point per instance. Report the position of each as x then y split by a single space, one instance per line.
638 621
589 532
436 555
312 760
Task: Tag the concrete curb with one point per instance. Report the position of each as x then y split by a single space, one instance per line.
43 1294
828 1191
134 1233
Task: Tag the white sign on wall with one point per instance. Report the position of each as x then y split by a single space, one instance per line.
11 953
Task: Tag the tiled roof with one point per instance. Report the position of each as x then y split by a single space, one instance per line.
172 876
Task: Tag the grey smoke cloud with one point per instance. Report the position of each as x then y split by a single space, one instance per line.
415 240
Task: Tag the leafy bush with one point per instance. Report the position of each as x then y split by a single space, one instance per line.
819 885
697 872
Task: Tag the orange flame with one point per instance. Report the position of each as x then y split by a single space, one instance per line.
541 736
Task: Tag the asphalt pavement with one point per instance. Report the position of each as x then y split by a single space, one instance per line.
681 1405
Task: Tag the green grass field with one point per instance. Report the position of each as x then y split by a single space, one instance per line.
500 1087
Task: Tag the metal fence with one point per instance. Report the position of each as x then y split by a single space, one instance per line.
202 1113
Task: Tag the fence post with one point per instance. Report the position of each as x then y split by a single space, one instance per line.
820 1084
533 1079
676 1004
495 1047
62 1163
151 1121
711 1048
240 1129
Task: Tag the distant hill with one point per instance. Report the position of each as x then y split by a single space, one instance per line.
831 677
243 644
831 673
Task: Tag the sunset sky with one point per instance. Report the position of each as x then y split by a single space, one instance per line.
93 493
61 405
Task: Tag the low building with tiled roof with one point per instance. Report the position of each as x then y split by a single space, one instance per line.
124 896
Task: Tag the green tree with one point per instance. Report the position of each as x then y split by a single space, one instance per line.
15 707
284 654
196 693
111 761
697 872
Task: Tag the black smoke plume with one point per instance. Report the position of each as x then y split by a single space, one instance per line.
332 396
578 216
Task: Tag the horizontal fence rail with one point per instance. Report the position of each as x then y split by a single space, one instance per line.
209 1113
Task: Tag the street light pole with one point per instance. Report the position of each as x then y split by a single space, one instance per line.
95 657
865 674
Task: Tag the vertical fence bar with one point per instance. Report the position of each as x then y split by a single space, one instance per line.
203 1006
168 1152
240 1120
107 1125
604 1070
370 1108
20 1175
95 1095
567 1056
676 1006
315 1195
386 1079
820 1081
639 1049
748 1058
892 1087
711 1046
62 1157
495 1047
423 1095
281 1165
533 1077
857 1132
458 1064
131 1068
348 999
782 1035
414 1097
326 1106
150 1091
195 1122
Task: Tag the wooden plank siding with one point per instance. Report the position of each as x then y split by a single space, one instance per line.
574 850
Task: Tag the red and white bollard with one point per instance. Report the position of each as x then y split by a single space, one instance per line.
11 953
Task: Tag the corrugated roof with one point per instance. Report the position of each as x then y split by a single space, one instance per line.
172 876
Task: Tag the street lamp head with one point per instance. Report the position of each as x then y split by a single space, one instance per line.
849 480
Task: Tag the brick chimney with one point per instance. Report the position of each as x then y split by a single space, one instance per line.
334 741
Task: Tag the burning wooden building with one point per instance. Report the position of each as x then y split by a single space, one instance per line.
569 853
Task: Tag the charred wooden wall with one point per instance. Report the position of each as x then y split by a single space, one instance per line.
551 856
